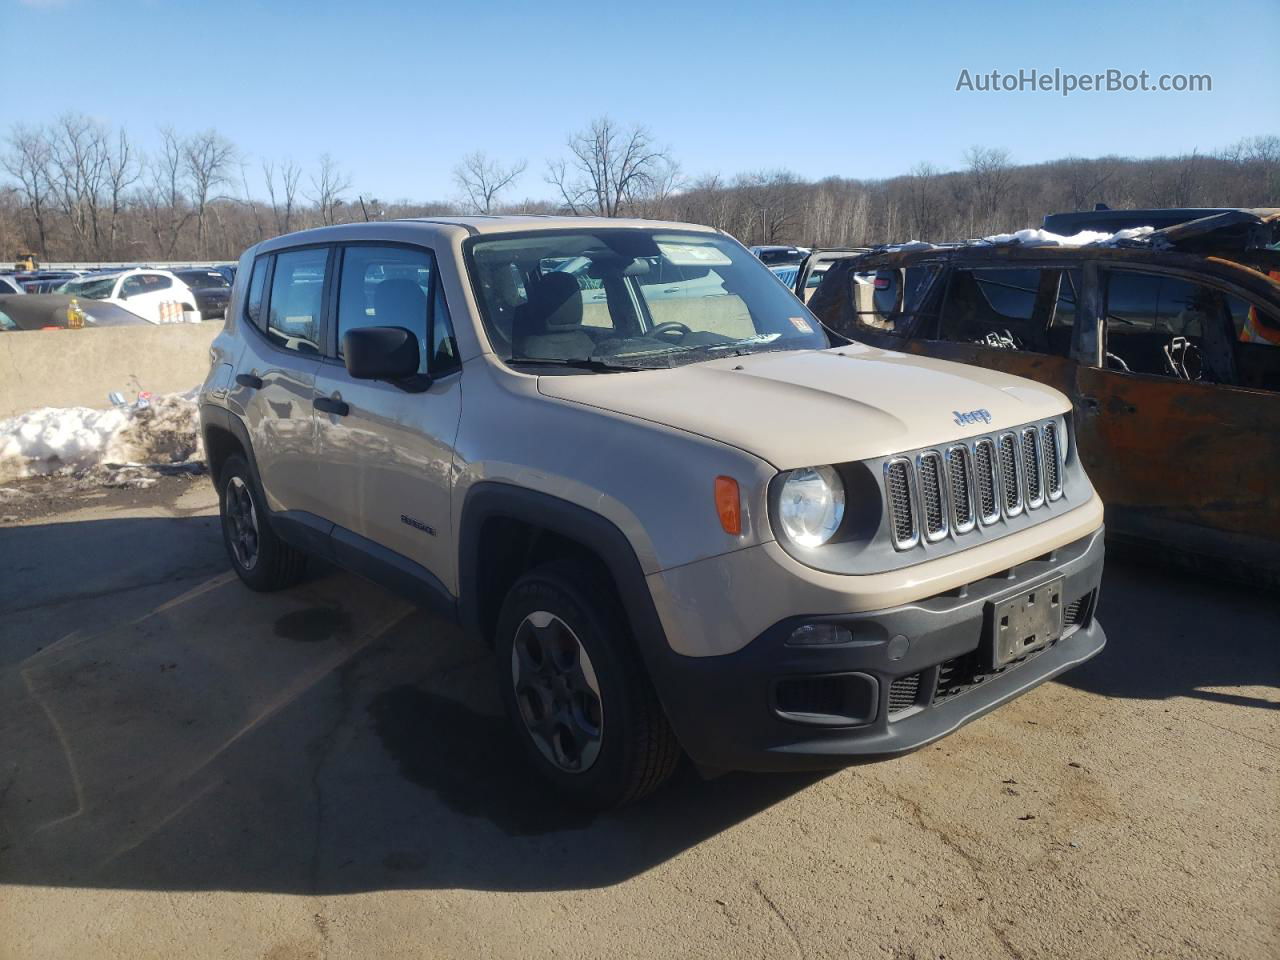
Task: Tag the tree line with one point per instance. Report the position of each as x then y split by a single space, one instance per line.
78 189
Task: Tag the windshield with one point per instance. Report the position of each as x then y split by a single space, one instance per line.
629 298
203 279
95 288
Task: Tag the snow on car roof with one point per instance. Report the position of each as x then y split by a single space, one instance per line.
1032 238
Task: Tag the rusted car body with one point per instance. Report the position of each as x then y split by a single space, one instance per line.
1176 397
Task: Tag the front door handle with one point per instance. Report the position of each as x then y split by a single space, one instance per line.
249 380
331 405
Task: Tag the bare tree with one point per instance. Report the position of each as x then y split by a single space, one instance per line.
123 170
207 158
654 198
328 185
250 202
772 201
923 202
1258 158
608 168
482 180
163 201
282 204
78 155
989 178
27 160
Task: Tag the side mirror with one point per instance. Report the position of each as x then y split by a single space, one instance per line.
381 353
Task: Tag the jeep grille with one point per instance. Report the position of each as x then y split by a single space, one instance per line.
949 492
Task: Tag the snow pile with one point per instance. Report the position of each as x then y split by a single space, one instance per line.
78 439
908 245
1085 238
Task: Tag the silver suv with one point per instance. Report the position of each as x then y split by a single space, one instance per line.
685 517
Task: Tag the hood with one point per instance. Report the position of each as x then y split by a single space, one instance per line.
806 407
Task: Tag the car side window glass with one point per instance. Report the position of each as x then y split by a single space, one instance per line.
883 299
257 286
297 294
153 282
1156 325
996 308
1256 336
132 286
385 287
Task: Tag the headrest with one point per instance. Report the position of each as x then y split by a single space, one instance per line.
399 303
555 304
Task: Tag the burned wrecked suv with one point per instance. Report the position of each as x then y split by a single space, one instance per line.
623 455
1167 341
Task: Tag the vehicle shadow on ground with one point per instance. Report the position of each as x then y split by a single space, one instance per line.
162 727
1171 633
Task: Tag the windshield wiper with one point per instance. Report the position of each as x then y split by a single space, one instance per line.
599 366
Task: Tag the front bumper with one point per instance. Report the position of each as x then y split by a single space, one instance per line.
737 710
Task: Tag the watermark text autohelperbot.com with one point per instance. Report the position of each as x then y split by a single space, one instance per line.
1066 83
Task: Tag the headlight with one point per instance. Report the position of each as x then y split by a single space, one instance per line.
811 505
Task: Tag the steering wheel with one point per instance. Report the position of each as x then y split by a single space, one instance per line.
671 326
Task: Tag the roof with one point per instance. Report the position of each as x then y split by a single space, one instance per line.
513 224
474 225
1108 219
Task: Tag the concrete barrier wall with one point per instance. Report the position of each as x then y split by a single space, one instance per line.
69 368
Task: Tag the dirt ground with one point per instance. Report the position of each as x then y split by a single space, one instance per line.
188 769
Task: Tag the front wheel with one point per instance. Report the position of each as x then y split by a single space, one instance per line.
576 692
262 560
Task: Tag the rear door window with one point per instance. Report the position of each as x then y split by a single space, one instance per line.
1166 326
297 297
1256 343
1001 307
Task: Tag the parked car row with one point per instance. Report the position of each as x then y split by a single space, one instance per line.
150 295
215 280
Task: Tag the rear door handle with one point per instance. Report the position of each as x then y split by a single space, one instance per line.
331 405
249 380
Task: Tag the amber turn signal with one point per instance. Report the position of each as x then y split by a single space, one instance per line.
729 505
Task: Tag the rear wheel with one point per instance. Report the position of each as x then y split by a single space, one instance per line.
261 559
576 692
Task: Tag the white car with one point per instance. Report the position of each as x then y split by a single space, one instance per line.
157 296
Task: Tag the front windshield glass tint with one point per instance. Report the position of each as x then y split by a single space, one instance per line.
98 288
632 298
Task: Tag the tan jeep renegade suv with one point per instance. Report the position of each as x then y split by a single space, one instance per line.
626 457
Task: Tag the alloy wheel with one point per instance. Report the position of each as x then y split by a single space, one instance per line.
557 692
243 518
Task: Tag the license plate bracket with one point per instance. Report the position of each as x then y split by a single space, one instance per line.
1025 622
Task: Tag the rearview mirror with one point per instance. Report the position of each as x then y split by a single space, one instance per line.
381 353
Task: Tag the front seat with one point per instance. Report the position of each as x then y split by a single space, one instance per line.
549 324
401 303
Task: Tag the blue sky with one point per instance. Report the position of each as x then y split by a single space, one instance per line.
398 92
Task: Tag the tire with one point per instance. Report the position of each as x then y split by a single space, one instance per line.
635 750
263 561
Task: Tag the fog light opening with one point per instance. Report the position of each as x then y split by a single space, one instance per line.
815 634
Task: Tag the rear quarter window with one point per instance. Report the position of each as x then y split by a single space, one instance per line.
257 288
